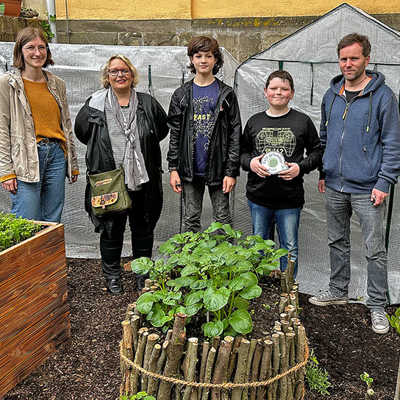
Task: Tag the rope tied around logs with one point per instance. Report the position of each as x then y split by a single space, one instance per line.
226 385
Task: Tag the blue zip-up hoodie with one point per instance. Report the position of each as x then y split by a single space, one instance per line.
360 138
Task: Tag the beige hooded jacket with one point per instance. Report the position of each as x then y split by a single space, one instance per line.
18 149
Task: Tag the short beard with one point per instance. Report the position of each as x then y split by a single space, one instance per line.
355 77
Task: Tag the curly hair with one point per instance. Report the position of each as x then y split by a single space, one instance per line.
205 43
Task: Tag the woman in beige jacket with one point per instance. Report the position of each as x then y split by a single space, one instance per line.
37 150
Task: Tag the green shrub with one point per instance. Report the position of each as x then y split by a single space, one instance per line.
14 230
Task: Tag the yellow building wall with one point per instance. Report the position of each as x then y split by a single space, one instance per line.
284 8
124 9
197 9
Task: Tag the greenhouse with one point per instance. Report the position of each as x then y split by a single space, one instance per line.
310 56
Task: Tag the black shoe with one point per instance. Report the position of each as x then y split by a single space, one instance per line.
140 281
114 286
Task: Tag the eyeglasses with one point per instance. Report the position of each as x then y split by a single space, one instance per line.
115 72
32 49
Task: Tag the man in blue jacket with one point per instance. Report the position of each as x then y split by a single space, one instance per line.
360 135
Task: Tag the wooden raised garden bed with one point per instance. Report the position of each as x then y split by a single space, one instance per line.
177 367
34 315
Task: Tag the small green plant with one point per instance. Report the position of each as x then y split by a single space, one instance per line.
316 377
14 230
394 321
266 307
138 396
368 381
214 272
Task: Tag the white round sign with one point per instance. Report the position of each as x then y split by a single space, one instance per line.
274 162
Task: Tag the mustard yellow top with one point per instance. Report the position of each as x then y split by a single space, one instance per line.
45 112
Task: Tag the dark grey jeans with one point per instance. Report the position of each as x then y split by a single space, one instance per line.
193 193
339 207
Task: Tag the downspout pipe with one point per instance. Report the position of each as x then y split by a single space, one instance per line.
51 13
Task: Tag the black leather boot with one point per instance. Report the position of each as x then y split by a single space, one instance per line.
142 247
114 286
111 264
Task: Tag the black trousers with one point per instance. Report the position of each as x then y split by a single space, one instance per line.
141 235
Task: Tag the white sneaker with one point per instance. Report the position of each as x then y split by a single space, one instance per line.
380 323
326 298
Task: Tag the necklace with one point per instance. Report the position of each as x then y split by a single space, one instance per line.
359 85
366 77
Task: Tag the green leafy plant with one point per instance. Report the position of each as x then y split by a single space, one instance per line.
316 377
368 381
14 230
214 272
138 396
394 321
47 29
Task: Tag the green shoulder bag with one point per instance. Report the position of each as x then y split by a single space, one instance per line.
108 192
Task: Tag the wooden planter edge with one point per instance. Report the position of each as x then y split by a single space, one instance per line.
50 226
33 303
272 366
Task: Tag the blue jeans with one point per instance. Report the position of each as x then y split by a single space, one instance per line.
193 193
43 200
339 207
287 224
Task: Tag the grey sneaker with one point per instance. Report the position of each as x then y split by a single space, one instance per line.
327 298
380 323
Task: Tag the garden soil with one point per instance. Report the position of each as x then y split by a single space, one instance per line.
87 366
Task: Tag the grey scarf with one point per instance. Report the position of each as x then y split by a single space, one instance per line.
134 166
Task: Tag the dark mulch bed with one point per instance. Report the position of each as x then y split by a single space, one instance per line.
87 367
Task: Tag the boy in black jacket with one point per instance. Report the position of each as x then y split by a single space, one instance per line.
272 150
205 130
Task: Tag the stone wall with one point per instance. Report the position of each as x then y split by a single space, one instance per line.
242 37
9 26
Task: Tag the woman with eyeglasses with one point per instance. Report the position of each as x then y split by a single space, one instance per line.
37 149
123 127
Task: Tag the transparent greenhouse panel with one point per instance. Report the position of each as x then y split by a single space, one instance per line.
310 56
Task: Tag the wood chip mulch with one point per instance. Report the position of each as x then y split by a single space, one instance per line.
87 366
